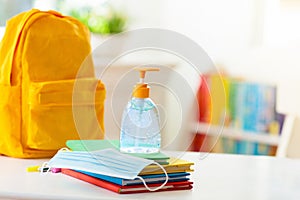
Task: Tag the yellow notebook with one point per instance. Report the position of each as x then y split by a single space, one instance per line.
175 165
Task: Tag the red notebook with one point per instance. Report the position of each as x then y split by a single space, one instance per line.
181 185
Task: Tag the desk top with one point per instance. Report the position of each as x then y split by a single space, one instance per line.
216 176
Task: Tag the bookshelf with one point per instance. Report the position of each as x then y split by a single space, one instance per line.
253 125
280 141
233 133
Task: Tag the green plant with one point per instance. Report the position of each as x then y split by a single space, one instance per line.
110 23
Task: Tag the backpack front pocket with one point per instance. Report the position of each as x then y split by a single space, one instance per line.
62 110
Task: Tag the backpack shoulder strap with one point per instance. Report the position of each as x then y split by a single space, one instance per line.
10 43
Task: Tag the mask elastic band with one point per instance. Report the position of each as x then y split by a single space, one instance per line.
159 187
45 168
64 149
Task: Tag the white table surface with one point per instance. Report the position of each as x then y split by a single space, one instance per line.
216 176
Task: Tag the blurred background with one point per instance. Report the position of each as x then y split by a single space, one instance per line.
257 41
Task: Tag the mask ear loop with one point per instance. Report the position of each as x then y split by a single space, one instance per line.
64 149
45 168
159 187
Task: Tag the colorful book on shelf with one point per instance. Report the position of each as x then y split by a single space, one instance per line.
149 179
200 141
256 113
219 95
180 185
93 145
204 100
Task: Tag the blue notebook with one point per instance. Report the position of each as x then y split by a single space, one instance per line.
93 145
156 178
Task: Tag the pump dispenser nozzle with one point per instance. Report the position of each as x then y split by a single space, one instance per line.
141 89
140 129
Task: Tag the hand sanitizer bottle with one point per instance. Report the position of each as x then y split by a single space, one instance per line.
140 130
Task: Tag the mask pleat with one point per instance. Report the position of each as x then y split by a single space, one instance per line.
107 162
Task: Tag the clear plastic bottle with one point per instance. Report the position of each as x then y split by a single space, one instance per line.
140 127
140 130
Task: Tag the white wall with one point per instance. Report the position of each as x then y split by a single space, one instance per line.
256 39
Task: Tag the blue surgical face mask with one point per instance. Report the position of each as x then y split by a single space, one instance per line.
108 162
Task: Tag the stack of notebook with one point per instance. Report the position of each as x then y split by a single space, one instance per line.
177 169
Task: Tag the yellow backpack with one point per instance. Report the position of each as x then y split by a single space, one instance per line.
48 90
